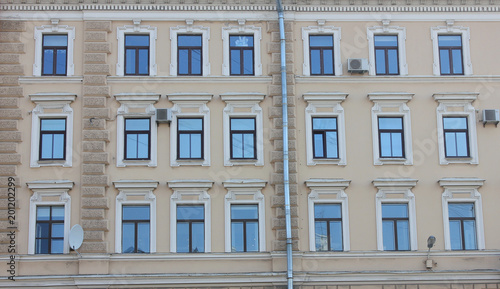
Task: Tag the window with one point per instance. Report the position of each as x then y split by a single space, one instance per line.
456 128
136 50
52 130
321 54
395 215
135 225
462 214
391 137
325 129
244 215
136 54
136 130
325 137
49 220
328 227
395 227
54 50
52 139
456 141
391 129
462 226
328 215
321 50
190 56
190 129
451 50
190 138
241 51
386 54
190 227
137 138
242 138
135 229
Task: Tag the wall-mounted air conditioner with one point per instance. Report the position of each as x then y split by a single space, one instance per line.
357 65
163 115
491 116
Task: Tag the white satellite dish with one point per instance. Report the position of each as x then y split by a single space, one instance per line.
76 237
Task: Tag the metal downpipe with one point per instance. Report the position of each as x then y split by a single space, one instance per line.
286 171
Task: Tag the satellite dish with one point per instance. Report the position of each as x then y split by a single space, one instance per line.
76 237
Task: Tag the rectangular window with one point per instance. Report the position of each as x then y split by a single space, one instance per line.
49 236
386 54
190 229
321 54
190 138
328 227
395 227
450 54
242 54
391 137
54 56
456 137
52 139
242 136
135 229
462 226
136 54
244 228
189 51
137 138
325 137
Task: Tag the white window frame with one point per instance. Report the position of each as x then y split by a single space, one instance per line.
51 101
135 189
400 32
44 194
190 192
132 102
242 29
322 30
190 105
457 104
138 30
248 192
462 190
396 191
54 29
451 30
235 102
390 104
326 104
328 191
190 29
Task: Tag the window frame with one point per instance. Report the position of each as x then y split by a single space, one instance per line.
54 132
54 50
190 55
462 190
386 55
136 29
450 50
328 221
396 191
190 222
328 191
391 131
327 104
450 29
190 29
49 193
242 57
384 30
241 29
395 220
190 133
253 133
462 219
321 49
54 29
455 131
321 29
127 132
136 223
137 59
323 134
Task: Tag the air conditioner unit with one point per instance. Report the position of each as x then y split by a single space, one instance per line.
163 115
491 116
357 65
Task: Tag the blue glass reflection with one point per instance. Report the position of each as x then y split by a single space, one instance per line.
137 40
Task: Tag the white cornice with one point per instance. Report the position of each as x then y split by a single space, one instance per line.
136 184
51 184
64 97
138 97
325 96
460 182
327 183
394 183
244 183
245 96
201 97
456 96
390 96
197 184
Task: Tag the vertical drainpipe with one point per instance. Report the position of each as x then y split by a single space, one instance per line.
286 173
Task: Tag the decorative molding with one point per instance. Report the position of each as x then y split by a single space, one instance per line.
53 29
453 30
322 30
243 30
136 29
190 29
400 32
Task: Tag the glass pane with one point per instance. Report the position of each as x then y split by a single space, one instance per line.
321 41
321 236
143 237
336 236
380 61
449 40
390 123
136 40
190 213
328 61
388 235
248 62
55 40
42 213
385 145
461 210
42 230
331 144
403 235
239 212
137 124
183 61
392 56
394 211
248 147
196 61
195 146
324 123
397 145
315 61
462 144
470 235
243 124
143 146
61 61
444 61
455 235
135 212
198 237
53 124
327 211
58 142
240 41
252 236
130 61
184 146
386 40
42 246
318 145
189 40
454 122
190 124
128 237
182 237
58 213
131 149
47 146
237 143
57 246
57 230
451 145
456 55
237 237
48 61
143 61
235 62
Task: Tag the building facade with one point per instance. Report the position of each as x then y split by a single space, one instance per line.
157 127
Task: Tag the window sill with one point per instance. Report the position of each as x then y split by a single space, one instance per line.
392 161
193 162
190 79
145 163
51 163
339 162
50 79
243 162
467 160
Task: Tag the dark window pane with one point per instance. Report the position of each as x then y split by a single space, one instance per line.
130 61
195 61
48 61
315 61
42 213
183 61
248 62
61 62
380 61
42 230
235 62
42 246
198 237
388 235
143 61
327 211
57 230
328 61
444 61
136 40
392 59
135 213
456 56
321 235
321 40
189 40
